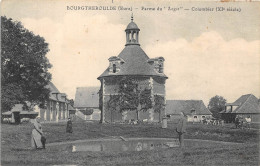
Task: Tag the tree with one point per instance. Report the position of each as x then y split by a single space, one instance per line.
113 105
145 98
129 98
129 95
216 104
132 98
24 66
159 105
87 111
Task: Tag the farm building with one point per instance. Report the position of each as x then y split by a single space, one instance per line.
132 63
86 101
18 114
195 110
244 106
57 107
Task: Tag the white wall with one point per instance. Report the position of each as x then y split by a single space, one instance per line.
191 118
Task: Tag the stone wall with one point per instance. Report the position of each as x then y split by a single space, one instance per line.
254 117
111 87
159 86
55 111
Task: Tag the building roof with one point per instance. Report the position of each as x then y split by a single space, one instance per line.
7 113
29 113
176 106
87 97
247 104
55 94
241 99
136 63
70 107
132 25
17 108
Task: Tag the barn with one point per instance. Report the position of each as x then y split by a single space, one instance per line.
56 107
17 115
195 110
244 106
86 101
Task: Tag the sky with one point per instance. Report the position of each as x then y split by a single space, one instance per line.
206 53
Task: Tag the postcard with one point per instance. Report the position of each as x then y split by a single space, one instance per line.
120 82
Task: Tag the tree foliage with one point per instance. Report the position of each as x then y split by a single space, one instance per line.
129 97
216 104
24 65
129 94
146 99
113 104
159 104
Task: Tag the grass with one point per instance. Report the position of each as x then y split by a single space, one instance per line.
16 145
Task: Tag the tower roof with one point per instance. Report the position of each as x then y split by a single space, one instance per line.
136 63
132 25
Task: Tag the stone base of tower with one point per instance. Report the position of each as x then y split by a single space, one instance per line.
127 116
110 88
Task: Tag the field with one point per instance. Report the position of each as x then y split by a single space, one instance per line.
15 145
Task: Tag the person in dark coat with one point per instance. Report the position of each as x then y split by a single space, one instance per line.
237 122
69 126
181 128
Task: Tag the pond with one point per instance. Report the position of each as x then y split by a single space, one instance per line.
130 145
142 144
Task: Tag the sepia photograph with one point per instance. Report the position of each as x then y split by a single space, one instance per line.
120 82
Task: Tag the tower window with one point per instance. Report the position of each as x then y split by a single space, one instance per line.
114 68
160 68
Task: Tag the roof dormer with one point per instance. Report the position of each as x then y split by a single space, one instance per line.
115 64
158 64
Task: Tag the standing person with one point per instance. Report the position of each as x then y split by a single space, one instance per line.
248 122
69 126
237 122
37 141
241 122
181 128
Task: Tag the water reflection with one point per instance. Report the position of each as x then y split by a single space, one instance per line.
142 145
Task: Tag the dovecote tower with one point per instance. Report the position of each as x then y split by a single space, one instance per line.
132 62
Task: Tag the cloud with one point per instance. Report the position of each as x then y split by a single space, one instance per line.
208 66
79 47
